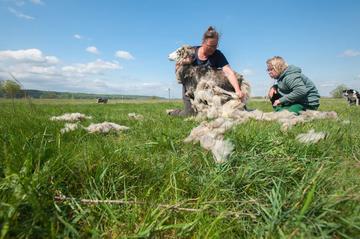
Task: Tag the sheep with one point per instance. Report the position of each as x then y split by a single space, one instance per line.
190 75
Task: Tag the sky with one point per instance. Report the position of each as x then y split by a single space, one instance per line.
121 47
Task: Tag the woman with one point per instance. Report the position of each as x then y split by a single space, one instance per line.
208 55
292 91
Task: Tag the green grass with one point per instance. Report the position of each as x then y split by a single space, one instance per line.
271 187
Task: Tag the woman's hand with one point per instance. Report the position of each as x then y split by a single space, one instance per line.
276 103
271 92
240 94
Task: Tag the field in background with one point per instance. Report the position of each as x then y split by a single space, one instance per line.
86 101
271 187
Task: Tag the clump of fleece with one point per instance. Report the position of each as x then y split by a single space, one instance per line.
70 117
213 99
69 127
135 116
211 133
105 127
311 137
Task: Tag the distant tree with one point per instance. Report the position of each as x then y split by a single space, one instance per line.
10 88
338 91
1 90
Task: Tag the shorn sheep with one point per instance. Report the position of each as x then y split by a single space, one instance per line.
190 75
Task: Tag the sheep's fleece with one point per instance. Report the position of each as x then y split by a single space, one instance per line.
70 117
190 76
217 103
104 127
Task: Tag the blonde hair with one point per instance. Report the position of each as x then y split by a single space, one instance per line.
278 63
211 33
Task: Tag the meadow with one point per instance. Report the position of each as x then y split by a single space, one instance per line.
271 186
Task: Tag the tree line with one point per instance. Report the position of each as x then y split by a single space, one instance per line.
12 89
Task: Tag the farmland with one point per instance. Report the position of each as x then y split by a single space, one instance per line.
271 186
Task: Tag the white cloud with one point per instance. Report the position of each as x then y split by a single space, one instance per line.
35 70
19 3
136 87
28 55
77 36
124 55
92 49
96 67
327 85
20 14
247 72
38 2
38 71
350 53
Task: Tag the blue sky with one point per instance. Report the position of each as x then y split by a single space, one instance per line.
121 47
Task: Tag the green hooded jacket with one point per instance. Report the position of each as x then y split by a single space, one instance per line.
295 87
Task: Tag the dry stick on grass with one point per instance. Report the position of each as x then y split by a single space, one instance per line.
175 207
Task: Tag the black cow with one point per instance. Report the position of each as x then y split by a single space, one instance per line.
102 100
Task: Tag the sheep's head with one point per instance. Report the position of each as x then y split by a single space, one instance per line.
183 55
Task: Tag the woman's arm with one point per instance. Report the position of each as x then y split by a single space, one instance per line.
298 91
230 75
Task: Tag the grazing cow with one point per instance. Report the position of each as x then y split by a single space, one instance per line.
352 96
102 100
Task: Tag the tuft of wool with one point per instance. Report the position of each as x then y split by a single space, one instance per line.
69 127
311 137
70 117
213 99
222 150
210 134
135 116
105 127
